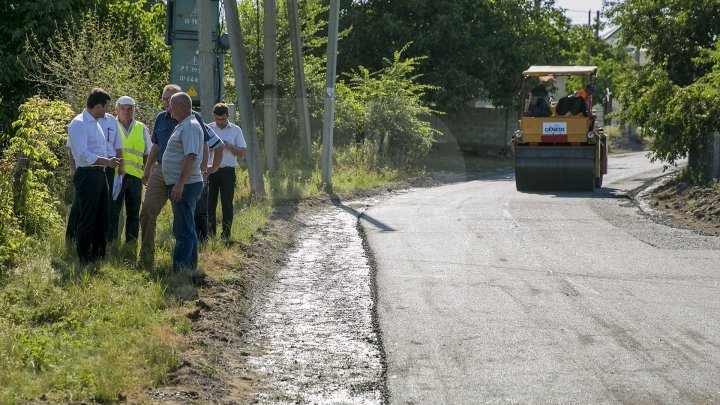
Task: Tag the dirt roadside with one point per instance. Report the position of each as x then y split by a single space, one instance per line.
678 204
214 362
674 202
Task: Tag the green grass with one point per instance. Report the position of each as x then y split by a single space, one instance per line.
106 332
96 334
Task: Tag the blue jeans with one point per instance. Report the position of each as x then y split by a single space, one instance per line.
185 254
201 216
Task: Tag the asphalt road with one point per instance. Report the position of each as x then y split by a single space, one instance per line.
486 294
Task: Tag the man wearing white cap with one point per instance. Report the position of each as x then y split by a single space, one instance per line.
136 148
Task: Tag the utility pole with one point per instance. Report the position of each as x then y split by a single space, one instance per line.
329 104
242 87
589 29
597 25
300 89
207 88
270 87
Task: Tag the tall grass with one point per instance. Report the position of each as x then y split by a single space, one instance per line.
109 331
72 334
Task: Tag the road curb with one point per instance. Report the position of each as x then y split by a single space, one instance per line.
640 194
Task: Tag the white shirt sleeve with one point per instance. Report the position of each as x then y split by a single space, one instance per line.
79 144
117 141
240 139
148 142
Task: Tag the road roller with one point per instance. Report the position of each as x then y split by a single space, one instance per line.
558 145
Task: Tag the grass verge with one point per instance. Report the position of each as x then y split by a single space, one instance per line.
110 331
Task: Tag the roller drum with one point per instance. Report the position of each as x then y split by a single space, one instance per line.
553 168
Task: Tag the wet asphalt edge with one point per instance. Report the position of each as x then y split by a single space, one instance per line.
374 312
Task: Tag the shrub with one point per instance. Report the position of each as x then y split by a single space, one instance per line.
381 113
89 54
33 173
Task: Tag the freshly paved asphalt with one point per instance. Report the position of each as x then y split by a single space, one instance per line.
486 294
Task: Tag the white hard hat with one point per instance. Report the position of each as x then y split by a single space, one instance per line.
125 100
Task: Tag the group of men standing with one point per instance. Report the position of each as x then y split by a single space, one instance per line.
174 163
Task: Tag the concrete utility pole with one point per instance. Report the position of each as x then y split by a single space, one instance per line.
329 105
270 80
242 86
597 25
300 89
589 28
207 85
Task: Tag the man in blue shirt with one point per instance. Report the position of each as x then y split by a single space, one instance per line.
156 193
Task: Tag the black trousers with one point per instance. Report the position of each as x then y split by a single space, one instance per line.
131 196
72 223
221 183
201 216
93 200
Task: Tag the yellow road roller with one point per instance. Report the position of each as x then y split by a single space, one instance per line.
558 145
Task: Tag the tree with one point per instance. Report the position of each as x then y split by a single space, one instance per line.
613 62
673 32
18 20
474 48
84 55
675 97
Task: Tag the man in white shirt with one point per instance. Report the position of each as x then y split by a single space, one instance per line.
89 149
114 148
223 181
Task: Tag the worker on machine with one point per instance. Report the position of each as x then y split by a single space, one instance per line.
586 94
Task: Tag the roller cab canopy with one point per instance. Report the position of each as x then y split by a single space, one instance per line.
560 70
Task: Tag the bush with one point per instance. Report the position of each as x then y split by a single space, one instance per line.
33 173
380 113
90 54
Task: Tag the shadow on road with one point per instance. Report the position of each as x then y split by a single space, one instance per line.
605 192
360 215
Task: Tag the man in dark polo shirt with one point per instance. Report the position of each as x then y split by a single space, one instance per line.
156 193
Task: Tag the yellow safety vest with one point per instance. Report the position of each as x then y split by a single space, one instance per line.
133 149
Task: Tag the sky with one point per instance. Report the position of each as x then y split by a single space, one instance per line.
577 10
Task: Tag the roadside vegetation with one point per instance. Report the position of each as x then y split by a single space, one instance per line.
675 99
106 332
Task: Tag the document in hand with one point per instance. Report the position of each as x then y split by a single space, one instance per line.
117 185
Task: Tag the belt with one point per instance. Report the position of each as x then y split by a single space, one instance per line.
95 168
226 168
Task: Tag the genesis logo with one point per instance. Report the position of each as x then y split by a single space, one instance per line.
554 128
